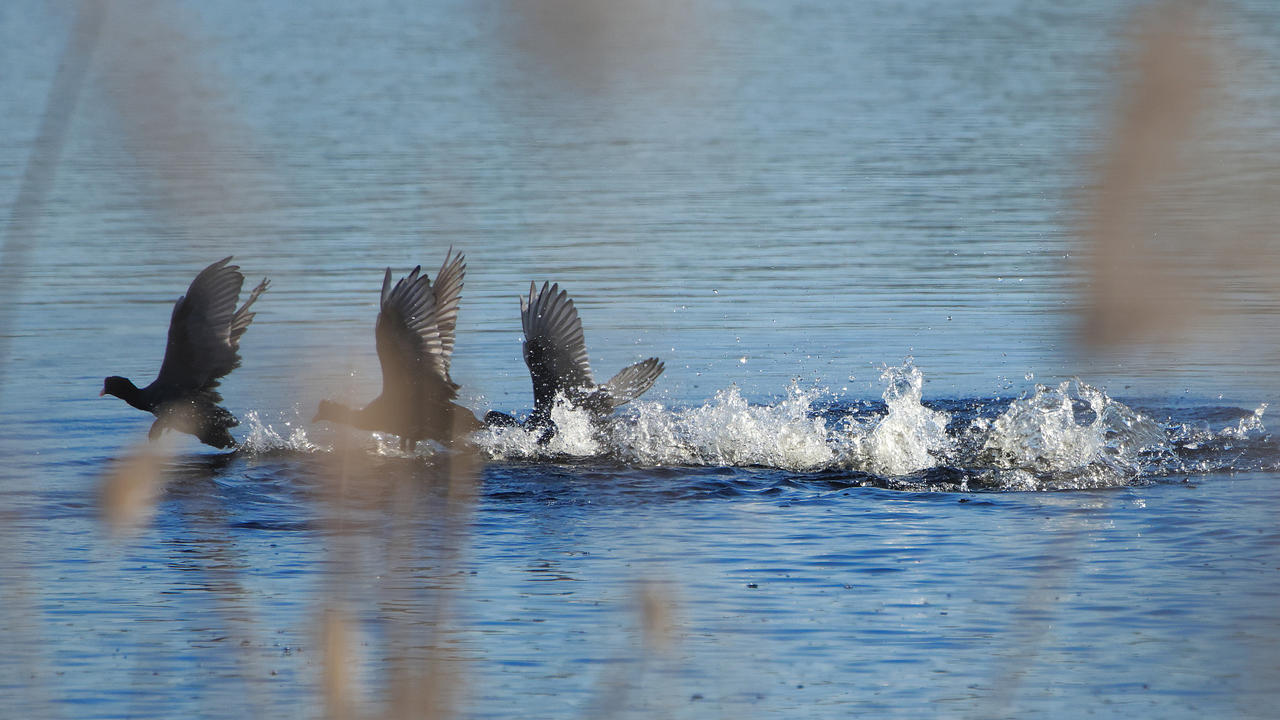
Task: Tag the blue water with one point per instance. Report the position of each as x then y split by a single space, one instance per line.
866 484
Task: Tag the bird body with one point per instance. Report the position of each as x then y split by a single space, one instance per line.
415 340
203 347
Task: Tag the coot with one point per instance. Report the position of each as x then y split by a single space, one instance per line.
556 353
415 337
203 346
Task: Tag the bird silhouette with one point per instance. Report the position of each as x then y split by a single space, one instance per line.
555 351
415 339
203 347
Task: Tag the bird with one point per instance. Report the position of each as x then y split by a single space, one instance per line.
415 339
556 353
202 348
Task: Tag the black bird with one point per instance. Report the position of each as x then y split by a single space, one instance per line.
556 353
415 334
203 346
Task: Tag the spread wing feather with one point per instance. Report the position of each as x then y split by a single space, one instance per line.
205 329
411 344
631 382
448 294
554 347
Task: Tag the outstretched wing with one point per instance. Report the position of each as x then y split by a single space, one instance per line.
448 293
240 322
554 348
630 383
410 347
205 329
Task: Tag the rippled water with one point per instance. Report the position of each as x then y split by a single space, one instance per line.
879 476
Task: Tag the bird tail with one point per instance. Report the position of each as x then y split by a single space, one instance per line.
633 381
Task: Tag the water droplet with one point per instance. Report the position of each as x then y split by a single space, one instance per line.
743 359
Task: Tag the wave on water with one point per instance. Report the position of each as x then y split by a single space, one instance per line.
1068 436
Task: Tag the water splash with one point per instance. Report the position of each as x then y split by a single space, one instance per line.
1248 428
908 438
576 436
264 438
1069 436
728 430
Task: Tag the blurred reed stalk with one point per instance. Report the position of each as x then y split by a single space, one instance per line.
586 47
1180 223
46 153
656 609
1135 292
200 183
177 124
132 485
21 235
396 528
170 123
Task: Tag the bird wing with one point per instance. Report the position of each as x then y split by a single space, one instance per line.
448 293
632 381
410 348
205 329
554 348
240 322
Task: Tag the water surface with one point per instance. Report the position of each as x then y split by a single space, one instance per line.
865 484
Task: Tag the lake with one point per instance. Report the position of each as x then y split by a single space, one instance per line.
896 466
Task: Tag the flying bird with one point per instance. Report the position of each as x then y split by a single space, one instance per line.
556 353
203 347
415 338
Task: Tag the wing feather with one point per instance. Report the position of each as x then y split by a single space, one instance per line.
205 329
631 382
411 348
554 347
448 292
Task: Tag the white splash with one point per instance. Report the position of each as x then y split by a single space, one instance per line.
1073 433
725 431
1247 427
909 438
575 436
263 437
728 430
1067 436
